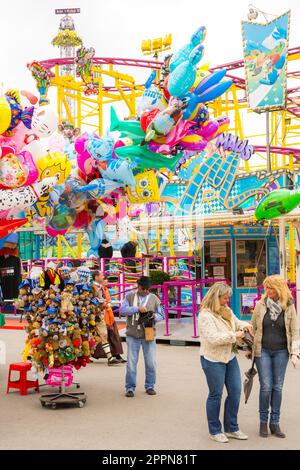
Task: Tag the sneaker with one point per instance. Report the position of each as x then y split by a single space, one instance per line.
129 394
112 362
120 359
151 391
237 435
219 437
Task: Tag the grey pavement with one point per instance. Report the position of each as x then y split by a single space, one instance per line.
174 419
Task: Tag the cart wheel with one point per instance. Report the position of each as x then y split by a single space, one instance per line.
53 406
43 404
80 404
84 401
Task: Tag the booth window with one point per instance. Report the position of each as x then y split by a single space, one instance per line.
250 262
217 259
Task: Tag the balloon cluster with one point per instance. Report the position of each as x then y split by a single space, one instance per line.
70 180
173 116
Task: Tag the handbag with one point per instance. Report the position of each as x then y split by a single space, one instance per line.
147 320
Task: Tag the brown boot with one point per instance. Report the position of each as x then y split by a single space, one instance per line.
275 429
263 430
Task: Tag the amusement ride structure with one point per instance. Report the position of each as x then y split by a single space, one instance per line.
84 92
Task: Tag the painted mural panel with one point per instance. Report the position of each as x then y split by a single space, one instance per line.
265 56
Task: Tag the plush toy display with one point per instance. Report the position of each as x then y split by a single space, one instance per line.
61 323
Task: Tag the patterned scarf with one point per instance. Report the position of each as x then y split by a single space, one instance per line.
274 308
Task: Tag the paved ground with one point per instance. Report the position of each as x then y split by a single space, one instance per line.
174 419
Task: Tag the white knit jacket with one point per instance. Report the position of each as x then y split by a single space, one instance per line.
216 336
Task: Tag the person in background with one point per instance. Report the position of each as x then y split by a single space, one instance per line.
113 336
157 262
276 339
138 305
10 268
219 331
128 250
101 328
106 251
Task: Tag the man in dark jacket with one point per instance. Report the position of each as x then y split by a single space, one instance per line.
129 251
106 251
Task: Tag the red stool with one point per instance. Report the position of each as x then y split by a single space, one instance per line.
22 384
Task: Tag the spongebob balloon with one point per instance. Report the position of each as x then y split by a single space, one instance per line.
145 190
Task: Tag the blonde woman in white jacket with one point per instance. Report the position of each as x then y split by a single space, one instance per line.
219 330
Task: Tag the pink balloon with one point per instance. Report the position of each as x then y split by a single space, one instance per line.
195 146
54 233
208 129
28 164
17 140
85 162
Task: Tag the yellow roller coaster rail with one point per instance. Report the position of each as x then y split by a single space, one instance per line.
89 109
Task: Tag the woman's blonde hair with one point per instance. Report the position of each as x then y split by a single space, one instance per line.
279 284
211 300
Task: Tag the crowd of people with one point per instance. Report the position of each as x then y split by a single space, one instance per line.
273 330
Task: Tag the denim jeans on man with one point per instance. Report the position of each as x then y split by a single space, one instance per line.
133 349
271 367
219 374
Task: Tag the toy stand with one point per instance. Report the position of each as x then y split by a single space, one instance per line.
63 397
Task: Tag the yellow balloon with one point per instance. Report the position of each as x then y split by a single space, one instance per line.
54 164
202 72
146 188
5 114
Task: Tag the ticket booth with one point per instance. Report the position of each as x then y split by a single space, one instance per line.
244 255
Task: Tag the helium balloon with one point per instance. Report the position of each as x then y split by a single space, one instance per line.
131 129
164 121
277 203
55 164
25 197
99 148
208 89
146 188
11 113
145 159
83 219
12 175
44 121
62 218
99 187
119 170
152 98
183 77
183 54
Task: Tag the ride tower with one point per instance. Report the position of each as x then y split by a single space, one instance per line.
67 40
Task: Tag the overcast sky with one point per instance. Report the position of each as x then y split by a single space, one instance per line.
115 28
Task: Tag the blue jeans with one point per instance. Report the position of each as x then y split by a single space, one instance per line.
219 374
271 367
133 349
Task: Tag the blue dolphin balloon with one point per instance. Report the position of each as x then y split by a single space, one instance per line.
95 234
184 76
99 187
184 52
119 170
208 89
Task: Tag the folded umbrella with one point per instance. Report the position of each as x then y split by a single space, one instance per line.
248 382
